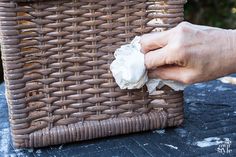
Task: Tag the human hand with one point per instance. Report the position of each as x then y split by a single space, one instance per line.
190 53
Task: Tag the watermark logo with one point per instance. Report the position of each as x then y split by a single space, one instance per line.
224 147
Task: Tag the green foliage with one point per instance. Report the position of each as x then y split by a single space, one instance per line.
218 13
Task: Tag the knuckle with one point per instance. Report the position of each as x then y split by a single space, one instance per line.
168 60
147 65
183 54
184 24
186 80
183 27
177 47
144 43
147 61
162 74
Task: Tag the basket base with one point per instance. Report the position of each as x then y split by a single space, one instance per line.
95 129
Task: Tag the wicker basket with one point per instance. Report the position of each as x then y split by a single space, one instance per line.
56 56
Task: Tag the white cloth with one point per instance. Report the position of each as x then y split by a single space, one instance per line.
130 72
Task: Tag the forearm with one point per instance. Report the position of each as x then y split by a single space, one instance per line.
231 51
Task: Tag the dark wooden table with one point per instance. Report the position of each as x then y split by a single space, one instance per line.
209 130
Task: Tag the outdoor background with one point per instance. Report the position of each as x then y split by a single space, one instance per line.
218 13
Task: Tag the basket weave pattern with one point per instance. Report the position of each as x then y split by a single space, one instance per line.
56 56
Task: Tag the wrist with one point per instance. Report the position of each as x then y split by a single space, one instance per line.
231 42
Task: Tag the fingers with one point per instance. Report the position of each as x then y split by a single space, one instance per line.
166 73
154 40
174 73
156 58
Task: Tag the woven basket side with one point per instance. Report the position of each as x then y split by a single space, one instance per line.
56 57
12 64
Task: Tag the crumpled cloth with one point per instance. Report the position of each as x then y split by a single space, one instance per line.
130 72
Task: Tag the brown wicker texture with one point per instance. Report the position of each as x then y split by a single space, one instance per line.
56 56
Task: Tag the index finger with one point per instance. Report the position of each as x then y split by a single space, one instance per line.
154 40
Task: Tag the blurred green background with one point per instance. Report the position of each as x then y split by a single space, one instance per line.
218 13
